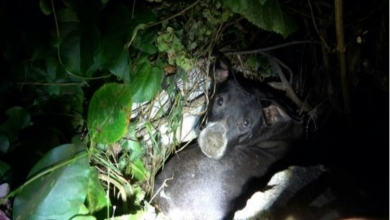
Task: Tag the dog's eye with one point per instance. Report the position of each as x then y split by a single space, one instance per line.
219 100
245 124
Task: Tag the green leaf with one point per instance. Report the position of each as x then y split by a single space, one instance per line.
45 7
147 83
109 112
5 174
236 6
266 14
78 49
137 216
138 170
96 196
83 214
59 194
67 15
138 194
144 41
18 118
51 69
66 28
4 143
262 2
113 56
132 145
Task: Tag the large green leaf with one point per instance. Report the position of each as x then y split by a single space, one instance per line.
108 113
18 118
78 48
56 74
113 53
131 144
140 214
83 214
5 174
96 196
268 15
60 193
147 82
138 170
4 143
67 15
144 41
113 56
45 7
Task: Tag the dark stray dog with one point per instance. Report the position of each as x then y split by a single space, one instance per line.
241 141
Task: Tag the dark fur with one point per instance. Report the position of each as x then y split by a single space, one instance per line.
207 187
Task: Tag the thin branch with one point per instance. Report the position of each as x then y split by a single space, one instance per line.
342 56
289 90
265 49
49 84
315 26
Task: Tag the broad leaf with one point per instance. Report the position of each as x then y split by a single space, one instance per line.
113 53
60 193
108 113
96 196
67 15
138 170
132 145
83 214
4 144
18 118
140 214
45 7
144 41
78 49
5 174
266 14
147 83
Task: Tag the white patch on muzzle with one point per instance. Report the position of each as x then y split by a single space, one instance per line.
213 140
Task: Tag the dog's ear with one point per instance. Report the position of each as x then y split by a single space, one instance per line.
280 111
280 106
274 114
222 69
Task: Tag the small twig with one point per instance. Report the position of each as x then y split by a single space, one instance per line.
289 90
282 77
57 30
48 84
315 26
132 10
159 189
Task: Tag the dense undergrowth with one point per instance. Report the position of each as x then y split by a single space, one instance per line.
87 85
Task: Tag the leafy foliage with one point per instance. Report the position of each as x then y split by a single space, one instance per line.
18 118
50 195
266 14
109 112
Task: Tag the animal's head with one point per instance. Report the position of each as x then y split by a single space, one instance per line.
236 112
